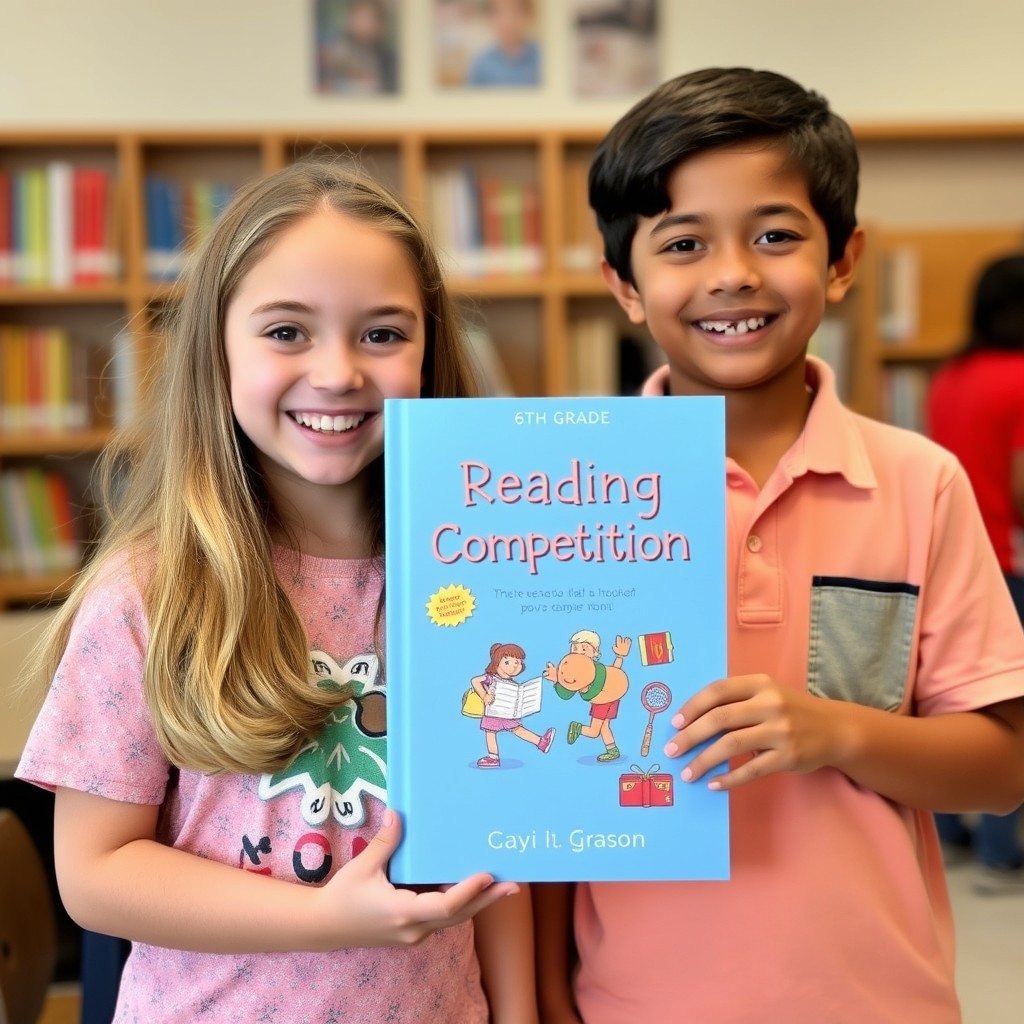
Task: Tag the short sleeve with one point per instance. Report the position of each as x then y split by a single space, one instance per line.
971 652
94 732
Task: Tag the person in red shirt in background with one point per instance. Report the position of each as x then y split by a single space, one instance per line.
976 410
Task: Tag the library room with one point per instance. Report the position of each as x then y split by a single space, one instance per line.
126 130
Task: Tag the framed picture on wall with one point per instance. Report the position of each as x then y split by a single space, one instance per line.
614 47
487 43
356 46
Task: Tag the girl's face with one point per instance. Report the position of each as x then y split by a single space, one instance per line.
318 333
510 666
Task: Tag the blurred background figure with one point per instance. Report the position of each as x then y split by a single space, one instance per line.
976 410
355 47
486 43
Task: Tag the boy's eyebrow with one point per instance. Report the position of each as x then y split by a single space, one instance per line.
675 220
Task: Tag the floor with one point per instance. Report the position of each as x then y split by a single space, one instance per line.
990 951
990 957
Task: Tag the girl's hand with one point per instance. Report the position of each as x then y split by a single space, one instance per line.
768 727
360 907
488 697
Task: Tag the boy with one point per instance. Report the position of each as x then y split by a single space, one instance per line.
876 666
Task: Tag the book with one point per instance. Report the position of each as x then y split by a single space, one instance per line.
512 699
578 543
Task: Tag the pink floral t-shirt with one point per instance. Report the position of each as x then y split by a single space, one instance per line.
94 734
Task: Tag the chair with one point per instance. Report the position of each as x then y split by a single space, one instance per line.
28 926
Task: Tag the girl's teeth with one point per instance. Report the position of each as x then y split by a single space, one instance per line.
328 424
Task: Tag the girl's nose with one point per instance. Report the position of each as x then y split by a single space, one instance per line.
335 366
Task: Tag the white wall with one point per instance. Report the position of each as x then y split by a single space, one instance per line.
247 62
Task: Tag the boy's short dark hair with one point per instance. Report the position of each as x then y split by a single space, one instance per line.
713 107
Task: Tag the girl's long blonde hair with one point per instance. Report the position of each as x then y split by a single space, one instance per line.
226 676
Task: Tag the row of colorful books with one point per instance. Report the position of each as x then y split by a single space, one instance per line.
44 378
178 214
58 226
486 224
38 530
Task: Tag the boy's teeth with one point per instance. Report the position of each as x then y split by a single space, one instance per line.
329 424
751 323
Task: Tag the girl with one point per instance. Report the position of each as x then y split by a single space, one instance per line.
200 811
507 661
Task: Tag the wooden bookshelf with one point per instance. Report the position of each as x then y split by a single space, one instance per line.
536 310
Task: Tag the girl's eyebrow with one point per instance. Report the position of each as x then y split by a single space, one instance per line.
282 305
291 306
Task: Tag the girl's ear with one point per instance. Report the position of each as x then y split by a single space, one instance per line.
625 293
841 274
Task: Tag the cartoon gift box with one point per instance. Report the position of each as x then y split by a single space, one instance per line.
650 788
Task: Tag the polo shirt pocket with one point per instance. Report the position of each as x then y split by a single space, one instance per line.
860 642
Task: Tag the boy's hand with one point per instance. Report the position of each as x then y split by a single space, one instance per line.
550 672
621 646
768 727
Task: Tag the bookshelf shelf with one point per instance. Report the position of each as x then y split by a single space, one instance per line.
923 185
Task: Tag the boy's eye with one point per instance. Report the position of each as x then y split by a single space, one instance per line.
284 333
382 335
684 245
776 237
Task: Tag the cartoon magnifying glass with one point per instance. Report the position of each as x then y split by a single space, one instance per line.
655 697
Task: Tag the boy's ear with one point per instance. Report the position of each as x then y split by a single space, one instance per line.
841 273
625 294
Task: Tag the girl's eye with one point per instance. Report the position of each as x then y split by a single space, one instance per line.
382 335
284 333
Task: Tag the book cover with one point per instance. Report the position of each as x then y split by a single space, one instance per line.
570 552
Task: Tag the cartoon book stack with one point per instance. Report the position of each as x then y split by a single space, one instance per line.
556 590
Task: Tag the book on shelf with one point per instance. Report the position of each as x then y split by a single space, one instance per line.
48 215
178 215
900 294
6 228
45 380
594 356
831 342
582 246
578 543
38 529
905 391
485 223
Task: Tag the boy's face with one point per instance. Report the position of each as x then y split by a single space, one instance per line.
733 278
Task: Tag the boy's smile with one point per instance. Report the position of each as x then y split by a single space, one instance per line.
733 278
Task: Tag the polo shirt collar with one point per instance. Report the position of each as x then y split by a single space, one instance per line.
830 441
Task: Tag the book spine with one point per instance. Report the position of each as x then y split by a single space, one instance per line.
60 225
67 551
401 670
6 230
19 513
37 227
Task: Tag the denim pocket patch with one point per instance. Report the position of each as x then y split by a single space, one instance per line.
861 634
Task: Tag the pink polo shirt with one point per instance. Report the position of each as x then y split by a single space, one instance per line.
861 571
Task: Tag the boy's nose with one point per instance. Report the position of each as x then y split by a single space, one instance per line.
335 366
732 269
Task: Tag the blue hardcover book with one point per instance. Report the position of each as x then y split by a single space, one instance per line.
555 591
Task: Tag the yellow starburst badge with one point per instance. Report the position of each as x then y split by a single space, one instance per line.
451 605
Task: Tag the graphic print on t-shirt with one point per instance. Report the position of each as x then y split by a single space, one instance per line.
347 761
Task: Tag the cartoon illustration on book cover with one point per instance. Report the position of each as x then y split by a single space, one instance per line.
602 686
504 703
500 703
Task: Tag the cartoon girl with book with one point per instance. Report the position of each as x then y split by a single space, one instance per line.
498 691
